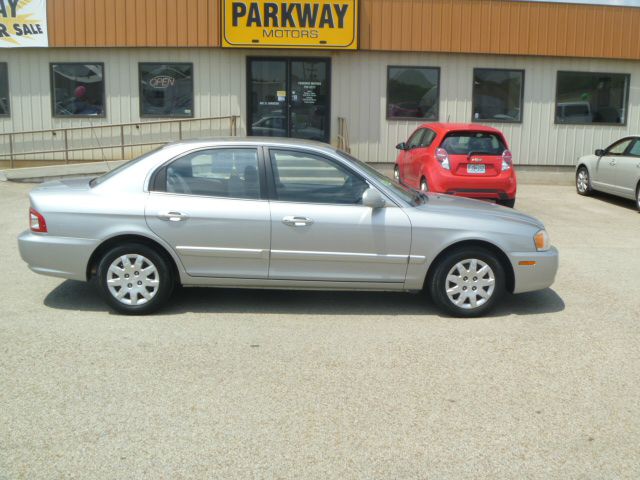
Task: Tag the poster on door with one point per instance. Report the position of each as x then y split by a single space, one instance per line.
23 23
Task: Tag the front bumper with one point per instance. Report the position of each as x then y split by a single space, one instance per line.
529 278
56 256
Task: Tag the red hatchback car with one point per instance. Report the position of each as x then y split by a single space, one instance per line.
458 159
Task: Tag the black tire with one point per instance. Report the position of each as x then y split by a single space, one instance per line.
638 197
424 185
438 282
583 185
507 203
158 284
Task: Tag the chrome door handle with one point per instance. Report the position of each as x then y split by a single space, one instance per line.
297 221
172 216
612 162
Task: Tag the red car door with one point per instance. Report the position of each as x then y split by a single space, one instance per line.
413 144
421 154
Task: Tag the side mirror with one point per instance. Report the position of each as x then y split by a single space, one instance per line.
373 198
599 153
401 146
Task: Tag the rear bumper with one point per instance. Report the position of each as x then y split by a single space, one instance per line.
56 256
500 187
534 277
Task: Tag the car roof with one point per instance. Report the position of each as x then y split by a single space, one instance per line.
451 127
254 142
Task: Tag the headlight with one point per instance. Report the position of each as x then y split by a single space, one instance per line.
541 241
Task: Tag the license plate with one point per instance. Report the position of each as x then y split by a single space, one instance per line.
475 168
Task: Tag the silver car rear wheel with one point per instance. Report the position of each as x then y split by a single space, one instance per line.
470 284
133 279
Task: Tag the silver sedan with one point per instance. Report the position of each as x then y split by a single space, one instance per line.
614 170
275 213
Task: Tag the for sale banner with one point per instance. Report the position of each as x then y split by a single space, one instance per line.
23 23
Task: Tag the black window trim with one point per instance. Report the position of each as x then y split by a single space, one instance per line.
473 96
53 96
597 124
420 119
158 179
8 114
193 92
271 184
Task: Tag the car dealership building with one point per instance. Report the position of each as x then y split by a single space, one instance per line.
560 79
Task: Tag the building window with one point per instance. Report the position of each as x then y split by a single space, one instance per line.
4 91
497 95
586 98
77 89
413 93
166 90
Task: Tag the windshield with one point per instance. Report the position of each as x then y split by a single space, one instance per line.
464 143
407 194
102 178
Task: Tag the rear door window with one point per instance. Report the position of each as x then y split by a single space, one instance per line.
464 143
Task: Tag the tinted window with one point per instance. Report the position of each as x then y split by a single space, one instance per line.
413 92
585 97
415 139
497 95
619 148
308 178
4 90
635 149
427 138
225 172
464 143
77 89
166 89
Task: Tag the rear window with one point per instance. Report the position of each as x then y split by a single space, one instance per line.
464 143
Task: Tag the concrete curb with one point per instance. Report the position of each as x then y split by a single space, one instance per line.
40 174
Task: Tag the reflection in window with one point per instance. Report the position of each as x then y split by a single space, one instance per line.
497 95
166 89
228 172
586 97
4 90
413 92
78 89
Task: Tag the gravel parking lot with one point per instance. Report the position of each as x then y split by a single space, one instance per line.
304 385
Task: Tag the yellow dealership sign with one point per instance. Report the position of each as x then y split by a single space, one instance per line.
321 24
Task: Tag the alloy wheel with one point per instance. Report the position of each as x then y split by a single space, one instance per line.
470 284
582 181
424 186
396 173
133 279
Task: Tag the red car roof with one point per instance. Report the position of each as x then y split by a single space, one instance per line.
450 127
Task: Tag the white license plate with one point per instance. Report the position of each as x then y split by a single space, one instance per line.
475 168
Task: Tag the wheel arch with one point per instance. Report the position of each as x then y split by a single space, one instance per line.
106 245
502 257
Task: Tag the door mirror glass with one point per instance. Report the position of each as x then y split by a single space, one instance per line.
401 146
599 153
373 198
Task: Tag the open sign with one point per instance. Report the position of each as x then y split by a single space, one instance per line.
162 81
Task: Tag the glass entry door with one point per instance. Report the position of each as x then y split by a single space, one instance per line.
289 97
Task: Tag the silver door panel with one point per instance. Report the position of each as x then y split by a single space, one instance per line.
218 237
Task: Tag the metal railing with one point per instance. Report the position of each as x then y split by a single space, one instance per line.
343 135
119 137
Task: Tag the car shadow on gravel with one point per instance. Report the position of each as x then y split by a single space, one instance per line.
73 295
615 200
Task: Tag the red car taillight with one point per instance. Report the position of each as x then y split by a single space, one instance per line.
37 222
507 160
443 157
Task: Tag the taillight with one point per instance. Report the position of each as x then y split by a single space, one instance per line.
443 157
507 160
37 222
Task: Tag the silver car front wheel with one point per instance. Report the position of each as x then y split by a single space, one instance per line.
135 278
467 282
583 183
